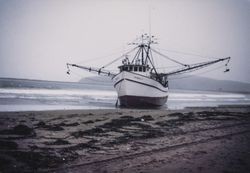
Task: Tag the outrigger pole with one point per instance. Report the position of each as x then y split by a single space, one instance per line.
187 68
147 49
91 69
193 67
99 70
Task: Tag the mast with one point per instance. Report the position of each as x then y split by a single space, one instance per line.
142 57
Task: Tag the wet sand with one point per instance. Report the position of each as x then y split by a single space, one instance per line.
212 139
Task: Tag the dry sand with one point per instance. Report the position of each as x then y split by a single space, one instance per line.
126 140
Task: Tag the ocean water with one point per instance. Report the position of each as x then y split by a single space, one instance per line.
32 99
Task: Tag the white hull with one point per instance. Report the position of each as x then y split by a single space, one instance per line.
137 90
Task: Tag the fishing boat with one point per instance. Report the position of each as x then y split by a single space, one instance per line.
138 82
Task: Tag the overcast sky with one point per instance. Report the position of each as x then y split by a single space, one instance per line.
38 37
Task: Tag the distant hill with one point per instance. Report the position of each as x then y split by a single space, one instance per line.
41 84
208 84
28 83
188 83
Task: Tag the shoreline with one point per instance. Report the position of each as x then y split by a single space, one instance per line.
240 106
194 139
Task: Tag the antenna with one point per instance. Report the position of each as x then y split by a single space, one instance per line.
149 18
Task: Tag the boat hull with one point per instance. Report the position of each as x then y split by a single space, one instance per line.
135 90
137 101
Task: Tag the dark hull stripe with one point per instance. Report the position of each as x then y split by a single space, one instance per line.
135 101
135 74
139 83
118 82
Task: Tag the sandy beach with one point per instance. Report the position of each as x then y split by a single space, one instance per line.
207 139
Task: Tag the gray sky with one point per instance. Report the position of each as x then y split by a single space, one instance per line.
38 37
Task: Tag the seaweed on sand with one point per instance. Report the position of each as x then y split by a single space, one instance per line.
20 129
8 145
58 142
54 127
142 129
28 161
97 131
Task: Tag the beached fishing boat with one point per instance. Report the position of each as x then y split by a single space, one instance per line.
138 83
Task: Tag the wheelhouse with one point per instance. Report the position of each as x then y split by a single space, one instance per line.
134 68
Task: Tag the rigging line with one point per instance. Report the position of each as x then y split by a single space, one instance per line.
167 67
76 74
197 74
175 57
152 57
213 69
187 53
98 82
197 66
119 57
165 58
185 65
156 63
136 55
105 56
147 56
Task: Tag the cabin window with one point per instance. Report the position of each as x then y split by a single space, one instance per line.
135 68
125 68
130 68
144 69
140 68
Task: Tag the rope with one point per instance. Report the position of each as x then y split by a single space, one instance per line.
187 53
103 57
185 65
197 74
167 67
119 58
